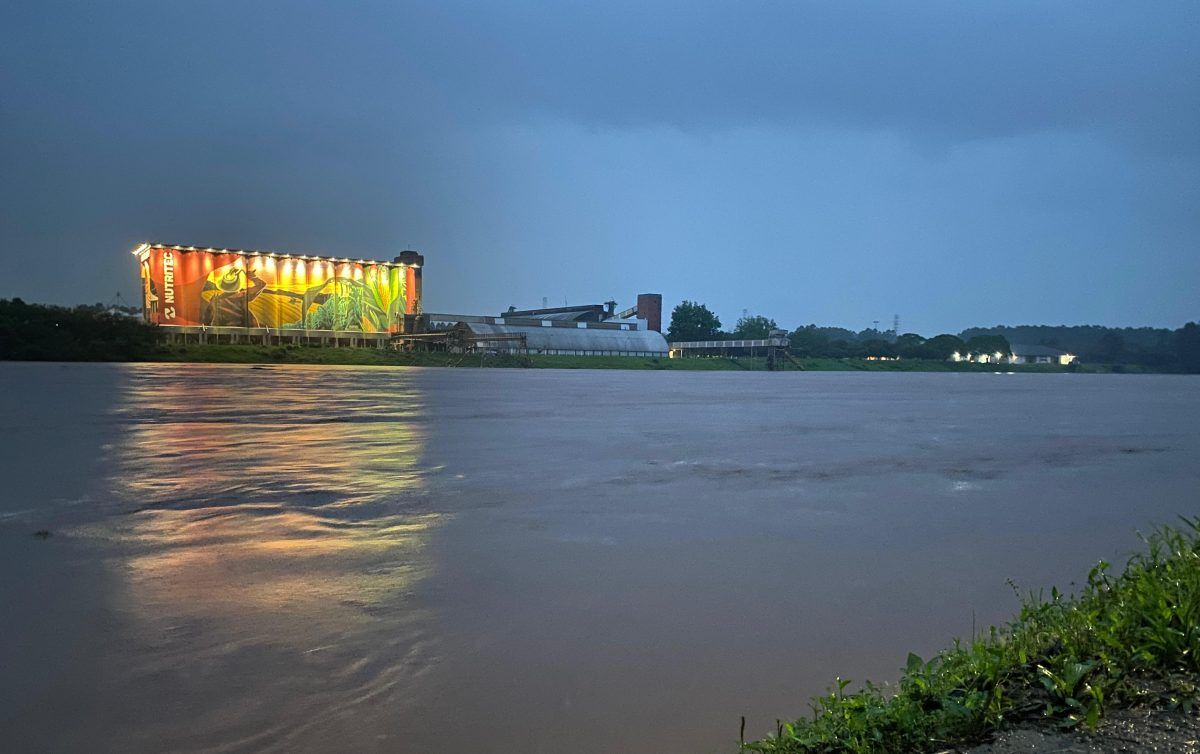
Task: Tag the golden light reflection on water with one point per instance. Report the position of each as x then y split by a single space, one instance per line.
276 514
287 570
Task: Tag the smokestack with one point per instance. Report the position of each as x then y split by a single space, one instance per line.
649 308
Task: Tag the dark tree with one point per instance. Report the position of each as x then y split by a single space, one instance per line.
1187 347
32 332
909 345
810 341
754 328
878 347
989 344
1110 348
693 321
942 347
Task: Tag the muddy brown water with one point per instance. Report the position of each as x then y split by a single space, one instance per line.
408 560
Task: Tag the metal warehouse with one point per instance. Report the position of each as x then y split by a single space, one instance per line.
551 335
590 341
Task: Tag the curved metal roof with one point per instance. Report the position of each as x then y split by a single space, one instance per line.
578 338
559 316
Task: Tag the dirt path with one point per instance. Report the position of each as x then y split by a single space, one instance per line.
1122 731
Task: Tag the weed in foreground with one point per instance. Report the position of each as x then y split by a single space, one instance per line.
1125 639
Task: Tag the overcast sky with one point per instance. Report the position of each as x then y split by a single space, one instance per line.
957 163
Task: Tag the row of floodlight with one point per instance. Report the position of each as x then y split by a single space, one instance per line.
146 246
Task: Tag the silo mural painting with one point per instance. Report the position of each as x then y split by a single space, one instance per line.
223 288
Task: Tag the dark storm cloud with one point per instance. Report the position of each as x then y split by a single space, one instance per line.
933 70
1054 141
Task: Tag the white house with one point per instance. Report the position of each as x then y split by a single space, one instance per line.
1024 354
1019 354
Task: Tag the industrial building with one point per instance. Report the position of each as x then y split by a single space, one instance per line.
209 294
592 330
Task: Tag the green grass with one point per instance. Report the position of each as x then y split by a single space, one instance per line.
636 362
291 354
294 354
247 354
1124 639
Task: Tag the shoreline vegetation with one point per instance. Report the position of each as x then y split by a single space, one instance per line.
32 332
347 356
246 354
1125 641
344 356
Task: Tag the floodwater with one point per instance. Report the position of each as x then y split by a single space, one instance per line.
311 559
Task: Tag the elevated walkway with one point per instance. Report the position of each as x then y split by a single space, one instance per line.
774 348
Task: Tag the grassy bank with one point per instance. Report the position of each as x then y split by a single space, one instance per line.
244 354
1125 639
931 365
249 354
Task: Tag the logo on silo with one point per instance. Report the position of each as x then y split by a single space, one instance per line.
168 262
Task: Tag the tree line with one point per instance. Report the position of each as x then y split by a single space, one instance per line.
35 332
1156 348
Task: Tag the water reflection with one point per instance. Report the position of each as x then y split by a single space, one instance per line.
631 565
276 534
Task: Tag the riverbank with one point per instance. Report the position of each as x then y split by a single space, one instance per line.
1127 643
1123 731
248 354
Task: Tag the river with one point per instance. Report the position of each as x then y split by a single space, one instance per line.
311 559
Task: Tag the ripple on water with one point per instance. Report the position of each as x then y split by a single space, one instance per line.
273 542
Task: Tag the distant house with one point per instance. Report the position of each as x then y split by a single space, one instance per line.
981 358
1024 354
1019 354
